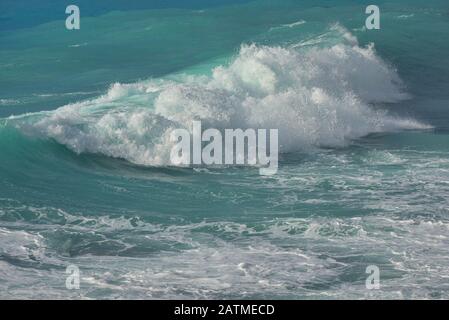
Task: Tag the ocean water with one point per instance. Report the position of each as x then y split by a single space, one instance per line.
85 176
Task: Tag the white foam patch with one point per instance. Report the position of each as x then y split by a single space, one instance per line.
286 257
289 25
21 245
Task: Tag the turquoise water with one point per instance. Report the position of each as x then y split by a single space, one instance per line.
363 178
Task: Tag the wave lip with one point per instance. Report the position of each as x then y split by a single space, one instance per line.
318 96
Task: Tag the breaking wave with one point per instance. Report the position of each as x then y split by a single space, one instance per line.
319 96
